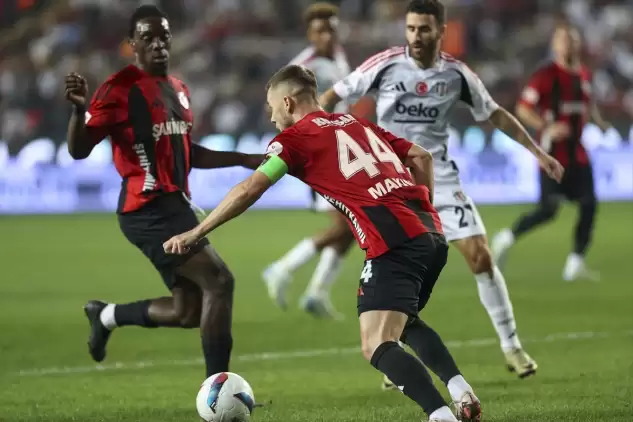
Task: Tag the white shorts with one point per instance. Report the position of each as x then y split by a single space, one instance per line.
320 204
458 213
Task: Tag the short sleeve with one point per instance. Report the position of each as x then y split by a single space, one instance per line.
106 110
476 96
365 77
284 147
534 91
399 145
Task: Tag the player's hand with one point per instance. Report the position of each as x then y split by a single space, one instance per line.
551 166
253 161
557 131
180 244
76 89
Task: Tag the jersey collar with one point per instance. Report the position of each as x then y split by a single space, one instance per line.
439 62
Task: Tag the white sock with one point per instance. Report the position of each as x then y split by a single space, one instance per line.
325 272
443 414
457 387
107 317
493 294
298 256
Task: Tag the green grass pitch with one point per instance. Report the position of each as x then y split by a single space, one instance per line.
580 333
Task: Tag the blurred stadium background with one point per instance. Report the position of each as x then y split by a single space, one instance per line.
225 50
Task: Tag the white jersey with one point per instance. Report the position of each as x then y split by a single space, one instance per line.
416 104
327 71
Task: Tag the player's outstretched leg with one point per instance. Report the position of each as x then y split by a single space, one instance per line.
380 331
432 351
181 310
316 299
505 239
494 295
575 266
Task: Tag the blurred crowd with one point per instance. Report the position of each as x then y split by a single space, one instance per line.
226 49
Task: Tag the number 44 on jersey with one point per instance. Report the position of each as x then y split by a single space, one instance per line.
353 159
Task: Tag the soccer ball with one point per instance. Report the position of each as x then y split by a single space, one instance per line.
225 397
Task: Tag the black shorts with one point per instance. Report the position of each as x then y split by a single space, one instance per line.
403 278
577 184
155 223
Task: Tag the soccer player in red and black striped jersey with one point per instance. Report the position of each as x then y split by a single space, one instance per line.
361 170
147 115
558 102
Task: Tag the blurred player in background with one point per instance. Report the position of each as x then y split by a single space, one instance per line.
146 113
326 58
352 163
416 88
557 102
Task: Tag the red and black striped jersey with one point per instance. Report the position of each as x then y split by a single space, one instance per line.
148 120
358 167
562 95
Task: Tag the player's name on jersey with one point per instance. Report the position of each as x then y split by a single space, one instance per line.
381 189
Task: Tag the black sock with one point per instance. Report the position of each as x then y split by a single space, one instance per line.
527 222
584 226
430 348
409 374
135 313
217 354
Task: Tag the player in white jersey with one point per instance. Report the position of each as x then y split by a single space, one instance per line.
416 88
326 59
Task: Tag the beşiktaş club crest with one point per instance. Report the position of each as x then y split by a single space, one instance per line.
183 100
459 195
440 88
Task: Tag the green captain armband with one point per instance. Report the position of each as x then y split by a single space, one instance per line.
273 167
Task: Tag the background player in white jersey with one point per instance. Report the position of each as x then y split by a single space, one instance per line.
416 88
326 59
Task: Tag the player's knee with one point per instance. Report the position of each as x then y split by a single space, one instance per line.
224 285
372 339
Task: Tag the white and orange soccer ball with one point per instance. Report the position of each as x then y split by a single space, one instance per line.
225 397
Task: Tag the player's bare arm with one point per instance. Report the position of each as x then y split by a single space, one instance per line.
329 99
420 162
238 200
75 91
508 124
203 158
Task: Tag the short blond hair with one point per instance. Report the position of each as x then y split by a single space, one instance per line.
320 10
301 80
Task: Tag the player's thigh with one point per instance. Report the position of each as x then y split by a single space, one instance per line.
458 214
157 222
553 193
582 187
394 280
436 264
209 272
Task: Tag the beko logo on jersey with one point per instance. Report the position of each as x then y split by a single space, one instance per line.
381 189
416 113
170 127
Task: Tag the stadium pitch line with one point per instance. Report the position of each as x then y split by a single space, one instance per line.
298 354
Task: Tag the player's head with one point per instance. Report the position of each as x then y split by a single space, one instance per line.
321 20
150 37
291 93
566 43
425 25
